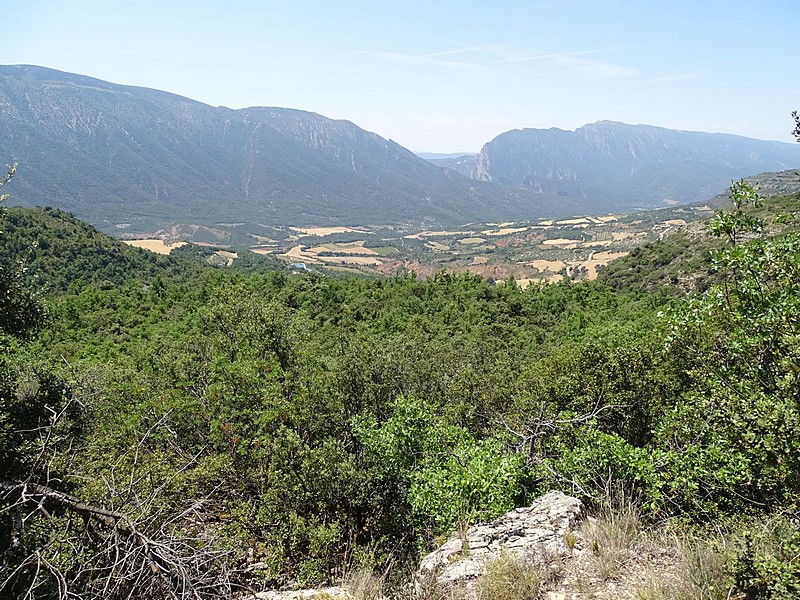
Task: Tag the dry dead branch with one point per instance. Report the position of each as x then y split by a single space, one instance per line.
100 554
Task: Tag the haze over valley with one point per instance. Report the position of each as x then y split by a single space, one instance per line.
136 162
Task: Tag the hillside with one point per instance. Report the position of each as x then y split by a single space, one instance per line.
615 166
463 163
238 431
58 250
134 159
682 261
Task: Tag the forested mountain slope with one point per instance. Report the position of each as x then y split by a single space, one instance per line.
59 250
142 159
684 260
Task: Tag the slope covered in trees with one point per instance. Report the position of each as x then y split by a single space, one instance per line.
684 261
192 436
144 158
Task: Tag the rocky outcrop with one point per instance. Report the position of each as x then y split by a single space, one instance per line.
542 532
572 557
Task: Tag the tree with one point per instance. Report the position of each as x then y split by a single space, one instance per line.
11 170
52 543
734 440
20 314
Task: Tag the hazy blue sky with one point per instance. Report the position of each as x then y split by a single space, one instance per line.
440 75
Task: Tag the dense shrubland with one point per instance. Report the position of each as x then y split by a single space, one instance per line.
189 434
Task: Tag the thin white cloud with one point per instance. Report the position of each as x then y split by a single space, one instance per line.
597 69
484 49
587 67
430 60
676 77
552 56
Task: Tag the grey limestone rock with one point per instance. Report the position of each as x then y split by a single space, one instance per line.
536 533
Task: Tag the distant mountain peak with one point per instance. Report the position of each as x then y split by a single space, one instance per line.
616 165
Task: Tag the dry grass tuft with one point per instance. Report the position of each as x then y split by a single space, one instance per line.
612 537
702 574
363 584
510 578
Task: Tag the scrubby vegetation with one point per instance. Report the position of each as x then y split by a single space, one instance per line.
174 433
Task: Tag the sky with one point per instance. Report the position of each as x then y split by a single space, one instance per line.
440 75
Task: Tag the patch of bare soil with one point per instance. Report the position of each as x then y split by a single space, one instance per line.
631 571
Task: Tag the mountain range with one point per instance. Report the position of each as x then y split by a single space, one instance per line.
140 159
610 162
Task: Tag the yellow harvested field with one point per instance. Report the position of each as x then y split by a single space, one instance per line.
480 260
505 231
554 266
547 223
226 254
261 250
437 246
674 222
620 235
471 240
523 283
157 246
608 256
350 253
598 259
323 231
298 254
579 221
261 239
561 242
427 234
344 248
350 260
606 218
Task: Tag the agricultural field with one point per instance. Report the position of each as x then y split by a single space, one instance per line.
155 245
527 251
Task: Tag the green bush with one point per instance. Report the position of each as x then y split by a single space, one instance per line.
768 564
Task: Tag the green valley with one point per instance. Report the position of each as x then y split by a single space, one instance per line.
174 426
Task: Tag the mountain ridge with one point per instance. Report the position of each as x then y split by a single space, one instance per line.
139 157
136 159
610 159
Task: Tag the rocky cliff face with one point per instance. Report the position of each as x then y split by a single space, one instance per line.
610 162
